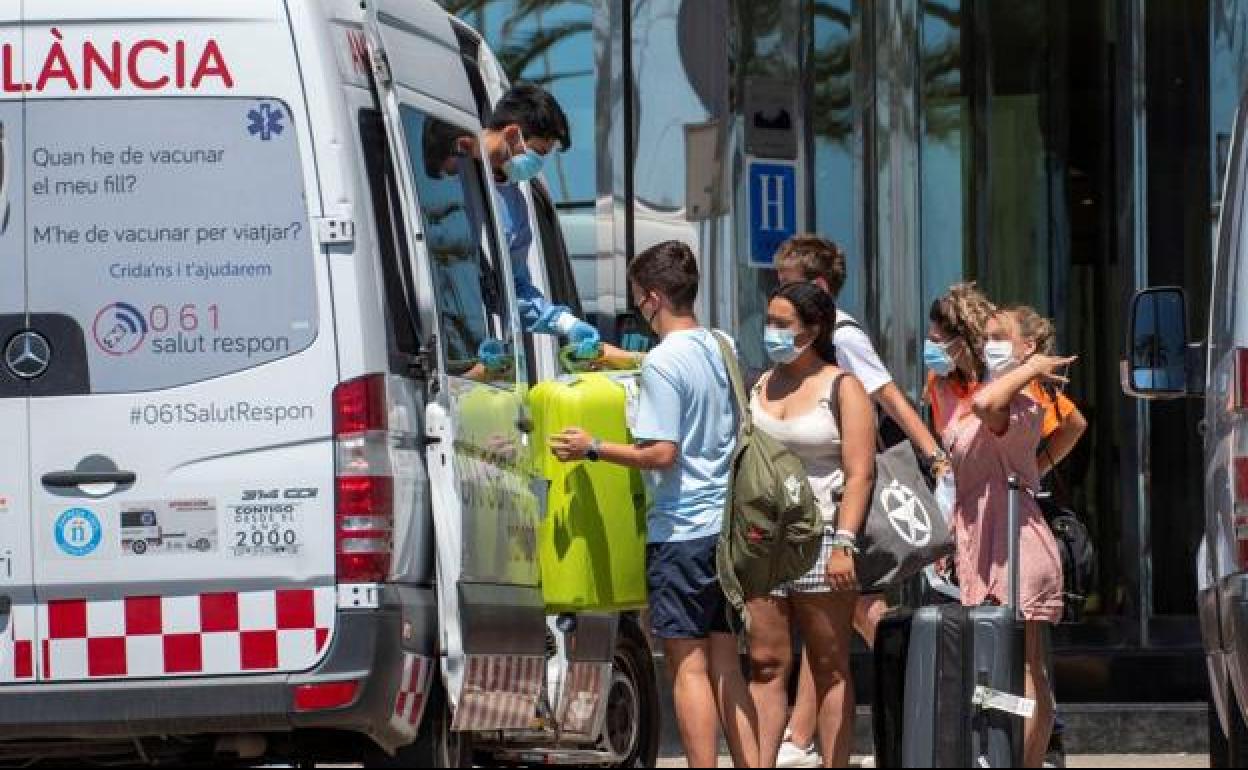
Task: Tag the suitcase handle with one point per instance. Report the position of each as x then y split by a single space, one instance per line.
1015 535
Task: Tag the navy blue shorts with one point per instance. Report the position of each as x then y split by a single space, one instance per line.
686 600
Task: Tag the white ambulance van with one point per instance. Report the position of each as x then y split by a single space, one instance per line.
1161 364
240 310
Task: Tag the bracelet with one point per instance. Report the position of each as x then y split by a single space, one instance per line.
844 544
846 535
937 457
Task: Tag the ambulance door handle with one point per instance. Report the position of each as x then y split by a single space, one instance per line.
70 479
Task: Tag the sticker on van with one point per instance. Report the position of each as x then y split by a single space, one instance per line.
78 532
175 232
269 522
169 527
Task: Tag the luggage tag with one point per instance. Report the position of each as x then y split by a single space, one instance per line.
991 700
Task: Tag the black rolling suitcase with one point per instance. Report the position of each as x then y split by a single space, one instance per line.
958 704
892 641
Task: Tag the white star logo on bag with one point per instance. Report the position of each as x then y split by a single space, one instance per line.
906 514
794 488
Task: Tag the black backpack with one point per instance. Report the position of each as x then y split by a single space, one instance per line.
1080 566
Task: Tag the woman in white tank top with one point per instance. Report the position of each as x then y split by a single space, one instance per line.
792 403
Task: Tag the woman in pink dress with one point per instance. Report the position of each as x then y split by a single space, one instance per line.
992 430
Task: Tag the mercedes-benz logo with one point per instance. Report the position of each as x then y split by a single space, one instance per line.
909 518
28 355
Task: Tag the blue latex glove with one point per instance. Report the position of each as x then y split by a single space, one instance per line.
586 341
493 355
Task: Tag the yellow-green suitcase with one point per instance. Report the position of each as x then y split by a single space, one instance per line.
593 541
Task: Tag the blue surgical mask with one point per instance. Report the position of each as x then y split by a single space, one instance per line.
937 358
523 168
781 345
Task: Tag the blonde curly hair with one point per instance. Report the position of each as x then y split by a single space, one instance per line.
1035 328
964 312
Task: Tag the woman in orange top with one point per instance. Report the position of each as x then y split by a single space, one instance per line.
1064 424
991 426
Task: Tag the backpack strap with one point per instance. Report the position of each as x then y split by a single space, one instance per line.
834 405
738 384
834 399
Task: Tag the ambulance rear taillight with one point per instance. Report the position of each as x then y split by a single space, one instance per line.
364 506
1239 470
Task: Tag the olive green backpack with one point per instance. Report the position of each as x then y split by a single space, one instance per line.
773 529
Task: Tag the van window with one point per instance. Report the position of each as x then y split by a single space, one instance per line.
173 232
467 278
559 275
396 266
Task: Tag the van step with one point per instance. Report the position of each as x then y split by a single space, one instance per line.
557 757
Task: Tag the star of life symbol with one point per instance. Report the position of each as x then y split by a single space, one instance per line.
265 122
794 488
906 514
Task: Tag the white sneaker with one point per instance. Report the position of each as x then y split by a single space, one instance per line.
792 755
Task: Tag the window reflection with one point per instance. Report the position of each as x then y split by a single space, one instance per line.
467 282
1230 72
666 103
837 166
945 151
551 43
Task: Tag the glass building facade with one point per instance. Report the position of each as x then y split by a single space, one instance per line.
1061 153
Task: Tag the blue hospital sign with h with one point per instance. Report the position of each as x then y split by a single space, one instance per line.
773 209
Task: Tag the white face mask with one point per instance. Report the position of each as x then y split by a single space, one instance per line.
999 356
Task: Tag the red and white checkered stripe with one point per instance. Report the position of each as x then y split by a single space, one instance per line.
17 645
409 705
500 693
583 696
195 635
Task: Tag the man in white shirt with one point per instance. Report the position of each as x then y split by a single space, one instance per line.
807 258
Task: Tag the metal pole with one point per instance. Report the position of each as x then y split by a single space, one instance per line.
1015 534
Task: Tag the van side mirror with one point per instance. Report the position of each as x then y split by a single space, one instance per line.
1158 364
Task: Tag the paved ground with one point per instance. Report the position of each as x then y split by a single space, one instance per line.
1104 761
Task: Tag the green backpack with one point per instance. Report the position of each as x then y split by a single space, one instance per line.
773 528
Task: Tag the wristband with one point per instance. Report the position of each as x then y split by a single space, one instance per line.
939 456
846 545
595 451
847 536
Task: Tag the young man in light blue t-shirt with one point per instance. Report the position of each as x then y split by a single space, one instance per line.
686 434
